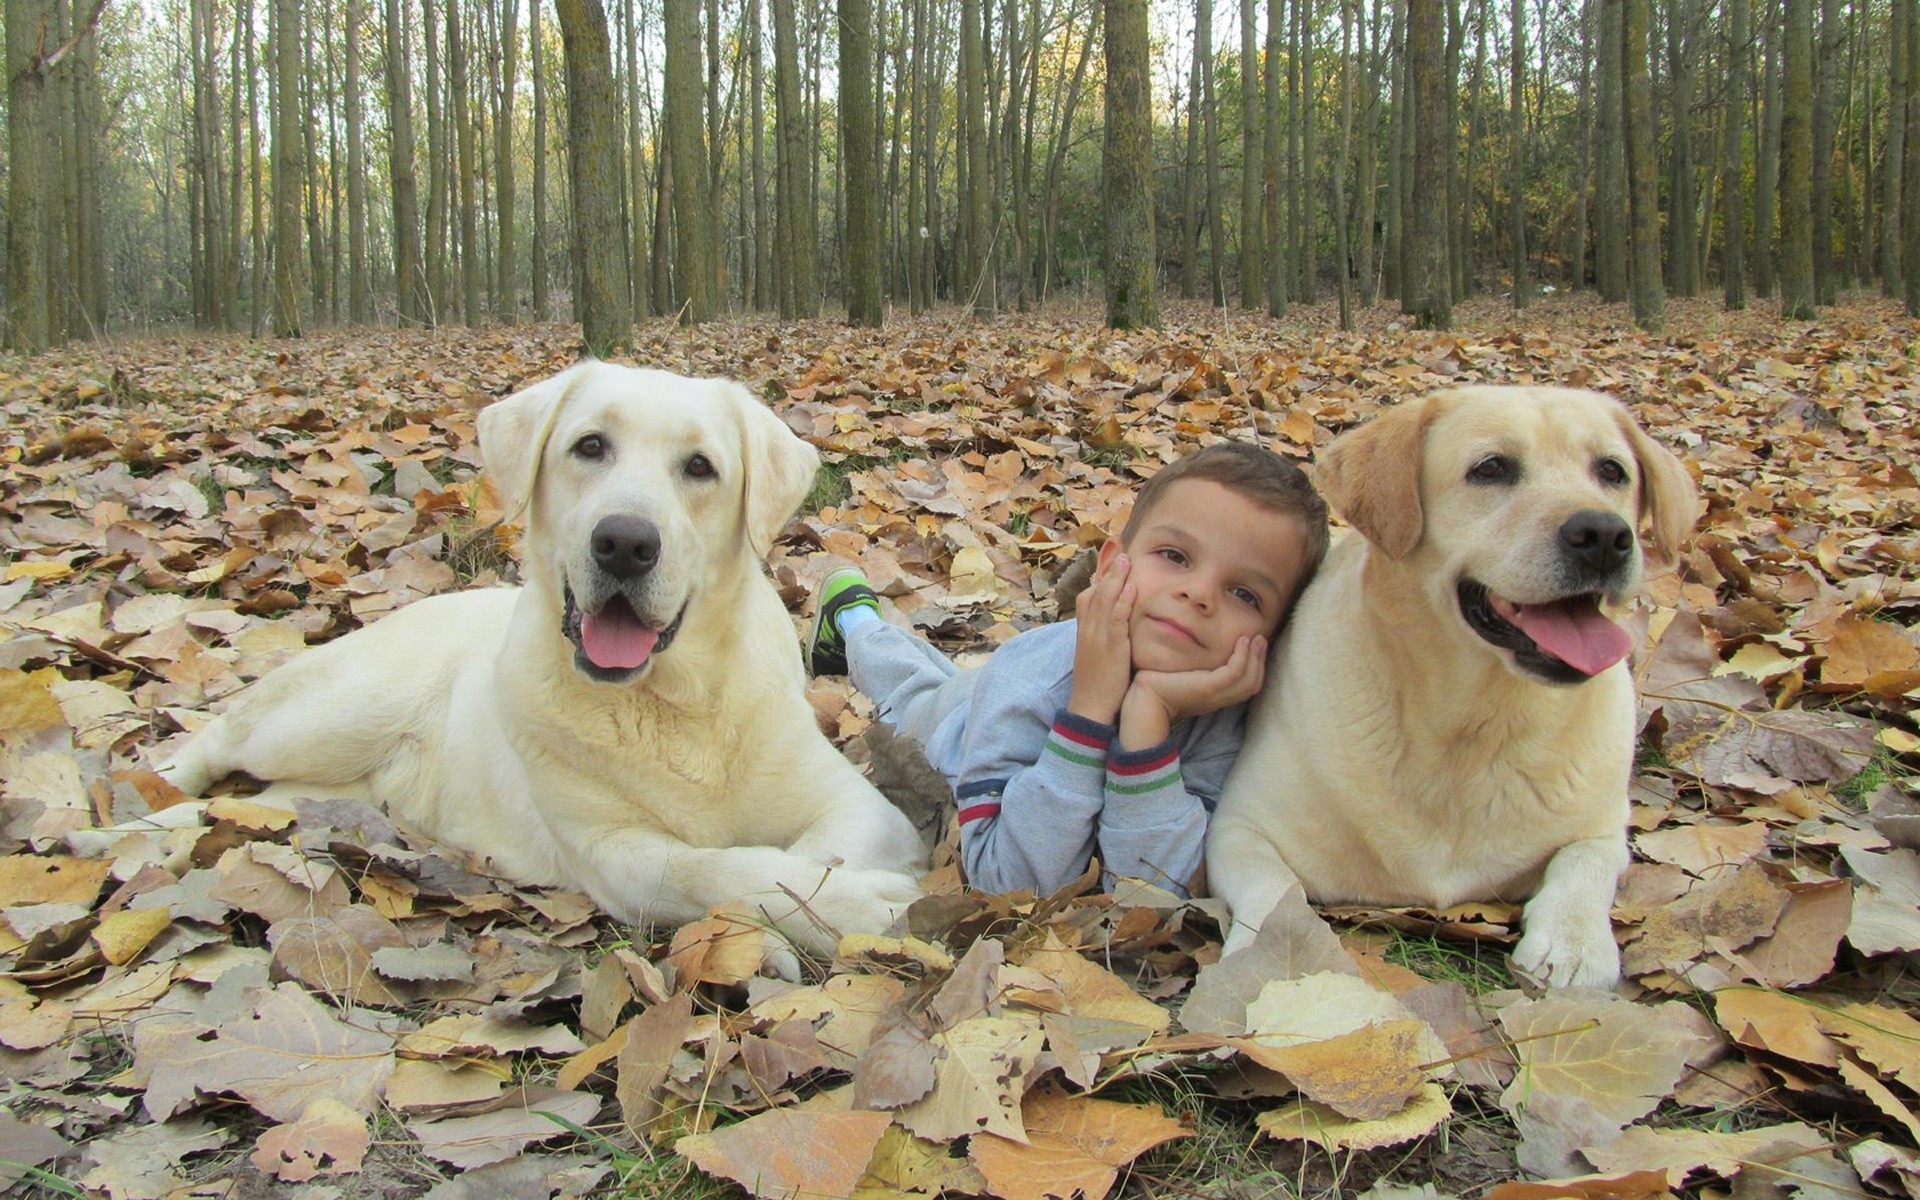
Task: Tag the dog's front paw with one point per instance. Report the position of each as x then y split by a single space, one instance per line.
1568 950
852 901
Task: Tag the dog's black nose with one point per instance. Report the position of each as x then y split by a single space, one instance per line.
1597 540
626 547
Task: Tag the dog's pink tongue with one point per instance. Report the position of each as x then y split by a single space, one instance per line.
614 638
1575 632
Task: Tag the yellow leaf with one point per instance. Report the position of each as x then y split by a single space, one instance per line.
1306 1121
1075 1144
38 570
123 935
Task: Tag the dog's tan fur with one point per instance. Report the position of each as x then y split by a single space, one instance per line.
1395 757
700 781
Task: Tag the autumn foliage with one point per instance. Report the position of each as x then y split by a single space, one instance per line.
286 997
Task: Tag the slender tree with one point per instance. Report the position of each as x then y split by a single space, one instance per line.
1733 237
1910 162
799 291
1610 190
537 66
409 279
1829 87
981 289
1893 166
1517 157
437 176
1430 286
863 240
1766 167
602 302
29 312
1343 268
1250 269
1278 247
1643 181
507 296
467 170
359 271
1682 220
1796 200
686 139
1127 169
285 37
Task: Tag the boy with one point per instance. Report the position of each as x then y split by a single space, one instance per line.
1112 732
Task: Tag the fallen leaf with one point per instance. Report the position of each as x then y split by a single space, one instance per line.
328 1139
469 1142
783 1154
980 1075
1304 1120
1075 1144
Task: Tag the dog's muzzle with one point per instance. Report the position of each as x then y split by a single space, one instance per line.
1568 640
613 644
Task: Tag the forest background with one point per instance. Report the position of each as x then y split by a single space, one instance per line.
273 165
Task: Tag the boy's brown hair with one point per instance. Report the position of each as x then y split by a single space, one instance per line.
1256 473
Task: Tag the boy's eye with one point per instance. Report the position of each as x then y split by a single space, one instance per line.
1249 597
1173 556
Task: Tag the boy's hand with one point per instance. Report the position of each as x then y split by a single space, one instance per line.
1159 698
1103 649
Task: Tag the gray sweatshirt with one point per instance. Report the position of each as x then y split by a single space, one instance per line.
1041 789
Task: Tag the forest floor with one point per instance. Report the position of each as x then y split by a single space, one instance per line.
268 1005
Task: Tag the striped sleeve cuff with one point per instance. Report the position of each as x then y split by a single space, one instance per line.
1078 740
1138 772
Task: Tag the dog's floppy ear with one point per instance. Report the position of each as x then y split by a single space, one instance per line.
779 470
514 432
1668 498
1371 476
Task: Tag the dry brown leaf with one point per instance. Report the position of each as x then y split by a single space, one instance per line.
1365 1075
1092 990
328 1139
1293 941
783 1154
652 1039
1075 1144
980 1075
1306 1121
121 936
469 1142
282 1055
1679 1151
718 949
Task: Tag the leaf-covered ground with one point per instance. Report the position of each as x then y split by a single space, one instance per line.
265 1004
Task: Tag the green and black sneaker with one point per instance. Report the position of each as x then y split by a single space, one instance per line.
843 588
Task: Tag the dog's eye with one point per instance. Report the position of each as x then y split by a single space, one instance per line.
1494 468
700 467
1611 471
592 446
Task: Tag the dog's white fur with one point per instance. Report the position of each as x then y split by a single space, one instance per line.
1395 757
700 781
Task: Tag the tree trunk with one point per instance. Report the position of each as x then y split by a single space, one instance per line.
29 313
762 222
1733 236
1394 261
799 295
1342 267
1369 151
1250 268
508 307
1610 242
1307 226
1127 169
1517 161
537 53
603 304
1190 164
650 293
686 141
1216 201
1583 111
286 168
359 273
467 169
862 244
436 170
1766 170
981 290
409 283
1910 163
1796 135
256 192
1827 90
1893 168
1279 249
1682 15
1430 286
1649 295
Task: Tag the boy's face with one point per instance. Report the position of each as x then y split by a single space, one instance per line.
1211 567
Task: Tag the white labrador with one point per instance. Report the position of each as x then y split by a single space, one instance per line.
1449 715
631 722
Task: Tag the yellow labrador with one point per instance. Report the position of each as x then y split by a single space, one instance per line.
1449 715
631 722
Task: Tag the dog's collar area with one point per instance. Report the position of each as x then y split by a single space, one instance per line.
1476 607
572 627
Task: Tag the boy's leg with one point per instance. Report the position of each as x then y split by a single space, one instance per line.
912 685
